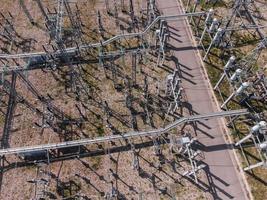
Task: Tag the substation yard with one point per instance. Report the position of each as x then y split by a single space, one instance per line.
108 99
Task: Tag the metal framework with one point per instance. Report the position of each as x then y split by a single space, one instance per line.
245 81
220 32
260 129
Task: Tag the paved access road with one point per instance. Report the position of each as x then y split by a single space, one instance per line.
223 181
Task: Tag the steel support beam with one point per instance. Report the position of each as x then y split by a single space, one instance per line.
129 135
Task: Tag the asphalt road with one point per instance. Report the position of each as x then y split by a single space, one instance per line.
222 180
